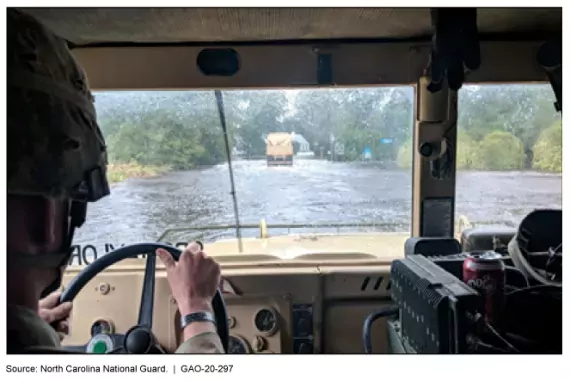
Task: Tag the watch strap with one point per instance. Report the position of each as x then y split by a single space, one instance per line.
199 316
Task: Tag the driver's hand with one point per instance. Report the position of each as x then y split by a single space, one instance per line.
50 311
193 280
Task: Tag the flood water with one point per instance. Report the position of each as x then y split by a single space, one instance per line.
311 191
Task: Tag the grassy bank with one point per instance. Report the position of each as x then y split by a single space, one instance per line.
122 172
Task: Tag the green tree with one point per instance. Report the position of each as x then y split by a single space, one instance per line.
255 114
499 151
548 149
179 129
522 110
466 150
358 118
182 128
405 155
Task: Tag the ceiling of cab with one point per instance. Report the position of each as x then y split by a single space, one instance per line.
84 26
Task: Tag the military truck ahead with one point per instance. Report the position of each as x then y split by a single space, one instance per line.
279 149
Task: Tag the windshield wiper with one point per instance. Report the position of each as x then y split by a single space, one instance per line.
220 103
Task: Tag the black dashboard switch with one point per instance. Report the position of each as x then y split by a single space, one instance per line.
302 321
303 329
303 346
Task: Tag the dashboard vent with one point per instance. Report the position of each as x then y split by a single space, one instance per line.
371 283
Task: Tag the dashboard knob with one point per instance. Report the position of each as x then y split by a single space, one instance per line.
259 344
305 348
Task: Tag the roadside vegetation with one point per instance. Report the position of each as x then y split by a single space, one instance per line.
510 127
121 172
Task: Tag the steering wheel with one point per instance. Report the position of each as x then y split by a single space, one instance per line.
139 339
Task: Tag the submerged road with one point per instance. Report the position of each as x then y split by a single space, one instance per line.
311 191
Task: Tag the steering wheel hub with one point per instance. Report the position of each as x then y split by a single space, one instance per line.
139 340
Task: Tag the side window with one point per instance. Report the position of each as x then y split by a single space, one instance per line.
509 153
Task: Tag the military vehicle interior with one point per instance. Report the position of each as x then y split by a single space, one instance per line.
318 303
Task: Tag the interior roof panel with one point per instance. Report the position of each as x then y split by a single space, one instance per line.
87 26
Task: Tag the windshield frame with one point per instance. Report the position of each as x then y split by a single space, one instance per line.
269 67
164 67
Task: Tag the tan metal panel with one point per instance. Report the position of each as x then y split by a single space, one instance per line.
140 68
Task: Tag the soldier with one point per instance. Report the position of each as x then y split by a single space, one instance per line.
57 164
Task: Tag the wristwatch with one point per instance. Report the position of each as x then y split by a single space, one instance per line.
199 316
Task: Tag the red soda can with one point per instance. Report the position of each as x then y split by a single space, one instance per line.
485 272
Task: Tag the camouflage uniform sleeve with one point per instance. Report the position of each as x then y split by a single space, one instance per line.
25 329
205 343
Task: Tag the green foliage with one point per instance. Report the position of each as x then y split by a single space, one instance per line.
157 139
498 126
548 149
121 172
468 148
357 118
499 151
520 112
253 115
158 135
405 155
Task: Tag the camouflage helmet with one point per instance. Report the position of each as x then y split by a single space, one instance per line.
55 147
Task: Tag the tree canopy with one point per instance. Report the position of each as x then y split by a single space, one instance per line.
510 127
548 149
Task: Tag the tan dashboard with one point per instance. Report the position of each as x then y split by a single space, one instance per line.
278 307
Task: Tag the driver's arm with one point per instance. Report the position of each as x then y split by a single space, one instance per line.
194 280
201 338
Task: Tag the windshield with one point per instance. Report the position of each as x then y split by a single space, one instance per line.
307 159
